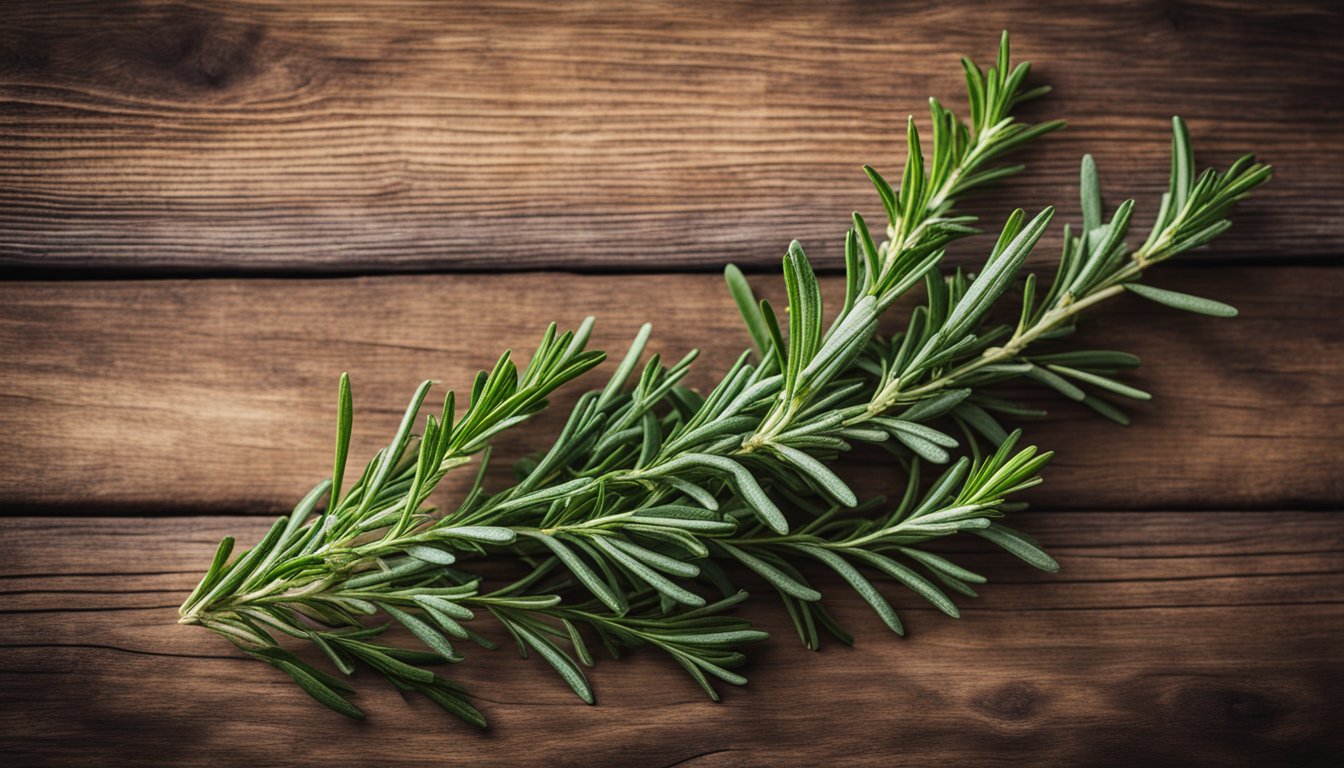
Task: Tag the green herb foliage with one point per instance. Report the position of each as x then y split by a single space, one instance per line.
620 531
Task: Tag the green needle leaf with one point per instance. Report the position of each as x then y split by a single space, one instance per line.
212 574
860 584
454 705
431 555
1056 382
1019 545
920 585
819 472
1182 301
777 578
746 304
485 533
569 671
317 689
1090 190
345 420
1182 163
1101 381
747 486
888 195
423 632
580 570
647 574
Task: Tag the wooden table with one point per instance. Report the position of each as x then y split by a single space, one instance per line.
209 210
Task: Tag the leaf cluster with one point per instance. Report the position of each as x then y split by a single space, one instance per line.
636 527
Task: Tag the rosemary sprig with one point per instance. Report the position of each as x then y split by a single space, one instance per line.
621 526
1096 265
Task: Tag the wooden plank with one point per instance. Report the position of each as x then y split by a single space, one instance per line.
1168 637
182 396
321 136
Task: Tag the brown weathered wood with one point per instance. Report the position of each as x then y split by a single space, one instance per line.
142 137
324 136
1173 638
179 396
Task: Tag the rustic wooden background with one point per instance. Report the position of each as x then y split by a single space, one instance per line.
202 205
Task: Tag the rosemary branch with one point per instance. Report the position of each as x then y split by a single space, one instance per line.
623 524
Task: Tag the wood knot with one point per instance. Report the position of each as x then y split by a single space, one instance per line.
1178 16
207 50
1226 709
1015 701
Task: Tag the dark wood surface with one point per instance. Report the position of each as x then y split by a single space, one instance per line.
221 136
1175 637
200 383
1197 616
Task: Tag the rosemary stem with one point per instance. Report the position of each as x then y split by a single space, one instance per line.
892 395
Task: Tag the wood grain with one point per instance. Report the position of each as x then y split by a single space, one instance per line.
275 135
1171 638
1197 616
218 395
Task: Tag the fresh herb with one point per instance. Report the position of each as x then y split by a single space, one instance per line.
622 527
